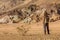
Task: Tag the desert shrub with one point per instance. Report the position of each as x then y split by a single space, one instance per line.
22 30
32 7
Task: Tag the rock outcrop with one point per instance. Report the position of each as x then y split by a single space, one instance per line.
28 10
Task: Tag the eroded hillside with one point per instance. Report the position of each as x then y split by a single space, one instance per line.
14 11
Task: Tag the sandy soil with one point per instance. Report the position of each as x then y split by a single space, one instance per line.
34 32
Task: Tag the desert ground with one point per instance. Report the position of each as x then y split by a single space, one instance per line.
33 31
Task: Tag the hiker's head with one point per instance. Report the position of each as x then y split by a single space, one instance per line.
46 14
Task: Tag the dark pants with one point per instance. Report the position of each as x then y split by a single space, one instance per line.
46 28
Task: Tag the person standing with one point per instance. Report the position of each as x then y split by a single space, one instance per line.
46 23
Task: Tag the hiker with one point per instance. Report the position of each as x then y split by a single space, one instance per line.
46 22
